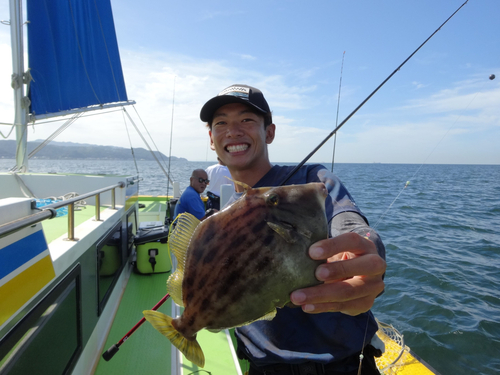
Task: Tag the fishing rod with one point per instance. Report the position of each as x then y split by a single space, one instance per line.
338 106
294 170
108 354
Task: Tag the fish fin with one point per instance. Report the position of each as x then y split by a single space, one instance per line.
269 315
179 238
285 233
306 233
174 287
214 330
163 324
242 184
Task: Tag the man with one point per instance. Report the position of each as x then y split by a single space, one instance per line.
219 175
190 200
333 324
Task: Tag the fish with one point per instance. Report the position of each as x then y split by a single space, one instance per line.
241 264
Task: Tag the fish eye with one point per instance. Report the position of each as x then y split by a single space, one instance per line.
272 199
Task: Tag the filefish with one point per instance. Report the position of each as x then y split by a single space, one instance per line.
240 264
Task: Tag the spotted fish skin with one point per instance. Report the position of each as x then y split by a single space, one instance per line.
244 261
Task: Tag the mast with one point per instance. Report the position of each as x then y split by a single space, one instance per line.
20 119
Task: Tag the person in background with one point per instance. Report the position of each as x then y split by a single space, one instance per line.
190 200
333 323
219 175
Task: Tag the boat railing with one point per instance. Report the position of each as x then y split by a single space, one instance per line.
49 211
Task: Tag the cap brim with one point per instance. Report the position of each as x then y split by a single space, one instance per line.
208 110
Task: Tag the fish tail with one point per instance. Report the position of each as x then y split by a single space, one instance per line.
163 324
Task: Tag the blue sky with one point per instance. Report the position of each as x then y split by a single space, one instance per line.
439 108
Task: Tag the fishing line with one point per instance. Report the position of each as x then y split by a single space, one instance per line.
168 214
294 170
364 101
361 356
428 156
338 106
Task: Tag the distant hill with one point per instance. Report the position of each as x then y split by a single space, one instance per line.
70 150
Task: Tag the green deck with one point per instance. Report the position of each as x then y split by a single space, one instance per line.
56 227
146 351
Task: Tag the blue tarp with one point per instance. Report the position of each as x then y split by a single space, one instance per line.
73 55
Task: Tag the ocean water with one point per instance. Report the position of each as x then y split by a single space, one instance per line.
443 249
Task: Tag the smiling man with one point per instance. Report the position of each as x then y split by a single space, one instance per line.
334 325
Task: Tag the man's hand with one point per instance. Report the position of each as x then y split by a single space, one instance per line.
352 276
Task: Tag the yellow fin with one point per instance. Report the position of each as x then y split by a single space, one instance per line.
269 315
163 324
180 236
242 184
282 231
174 287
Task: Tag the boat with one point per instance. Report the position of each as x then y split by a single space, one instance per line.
81 256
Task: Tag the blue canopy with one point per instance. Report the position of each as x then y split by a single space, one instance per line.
73 55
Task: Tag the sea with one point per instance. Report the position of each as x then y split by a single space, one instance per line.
441 228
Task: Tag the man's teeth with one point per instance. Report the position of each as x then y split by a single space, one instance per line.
237 148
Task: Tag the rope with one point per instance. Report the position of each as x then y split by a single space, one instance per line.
147 131
147 145
130 142
13 126
50 138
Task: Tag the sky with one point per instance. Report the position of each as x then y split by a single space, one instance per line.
439 108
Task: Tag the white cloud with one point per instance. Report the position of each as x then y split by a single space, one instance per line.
405 134
246 57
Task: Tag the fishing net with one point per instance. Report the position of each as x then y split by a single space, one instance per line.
394 349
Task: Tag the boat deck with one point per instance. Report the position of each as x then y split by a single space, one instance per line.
147 351
58 226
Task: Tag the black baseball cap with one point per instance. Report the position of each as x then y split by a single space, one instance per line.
235 94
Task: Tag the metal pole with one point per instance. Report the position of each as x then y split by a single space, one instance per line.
98 207
71 223
20 119
113 199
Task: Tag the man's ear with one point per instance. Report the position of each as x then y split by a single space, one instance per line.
211 140
270 132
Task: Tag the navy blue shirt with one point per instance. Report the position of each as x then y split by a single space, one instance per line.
294 336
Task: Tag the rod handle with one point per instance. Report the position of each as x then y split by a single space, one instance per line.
108 354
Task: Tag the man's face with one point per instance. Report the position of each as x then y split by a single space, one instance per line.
239 137
195 181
